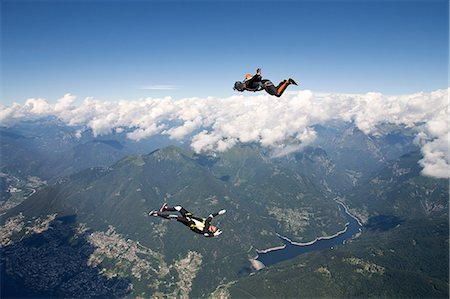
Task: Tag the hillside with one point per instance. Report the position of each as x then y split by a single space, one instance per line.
401 253
408 261
96 221
113 202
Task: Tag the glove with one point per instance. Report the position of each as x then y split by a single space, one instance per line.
221 212
258 71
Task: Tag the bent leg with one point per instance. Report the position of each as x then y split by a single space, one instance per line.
282 87
185 213
175 217
270 88
184 221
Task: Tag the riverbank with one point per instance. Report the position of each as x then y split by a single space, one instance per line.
301 244
316 239
347 210
292 249
273 248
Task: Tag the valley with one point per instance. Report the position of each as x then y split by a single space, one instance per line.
94 220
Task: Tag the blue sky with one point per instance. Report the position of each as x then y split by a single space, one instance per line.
112 49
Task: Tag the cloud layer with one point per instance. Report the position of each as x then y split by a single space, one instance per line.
283 124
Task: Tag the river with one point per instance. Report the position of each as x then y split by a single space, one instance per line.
292 249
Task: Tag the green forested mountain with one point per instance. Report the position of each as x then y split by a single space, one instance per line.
402 251
112 203
89 235
343 157
409 261
400 190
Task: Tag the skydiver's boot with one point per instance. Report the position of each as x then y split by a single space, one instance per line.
163 207
291 81
153 213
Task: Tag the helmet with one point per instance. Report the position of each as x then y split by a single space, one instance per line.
239 86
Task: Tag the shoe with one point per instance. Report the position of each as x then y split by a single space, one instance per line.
153 213
291 81
163 207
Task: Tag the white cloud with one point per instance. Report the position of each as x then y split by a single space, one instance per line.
38 107
78 134
436 158
65 102
178 133
282 124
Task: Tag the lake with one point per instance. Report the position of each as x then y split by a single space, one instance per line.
293 249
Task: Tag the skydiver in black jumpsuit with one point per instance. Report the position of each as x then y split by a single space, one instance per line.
198 225
256 83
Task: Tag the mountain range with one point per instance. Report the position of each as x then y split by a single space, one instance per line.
88 200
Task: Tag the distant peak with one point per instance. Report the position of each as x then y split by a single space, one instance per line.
170 152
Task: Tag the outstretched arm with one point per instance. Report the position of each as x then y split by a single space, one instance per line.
221 212
210 234
211 216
